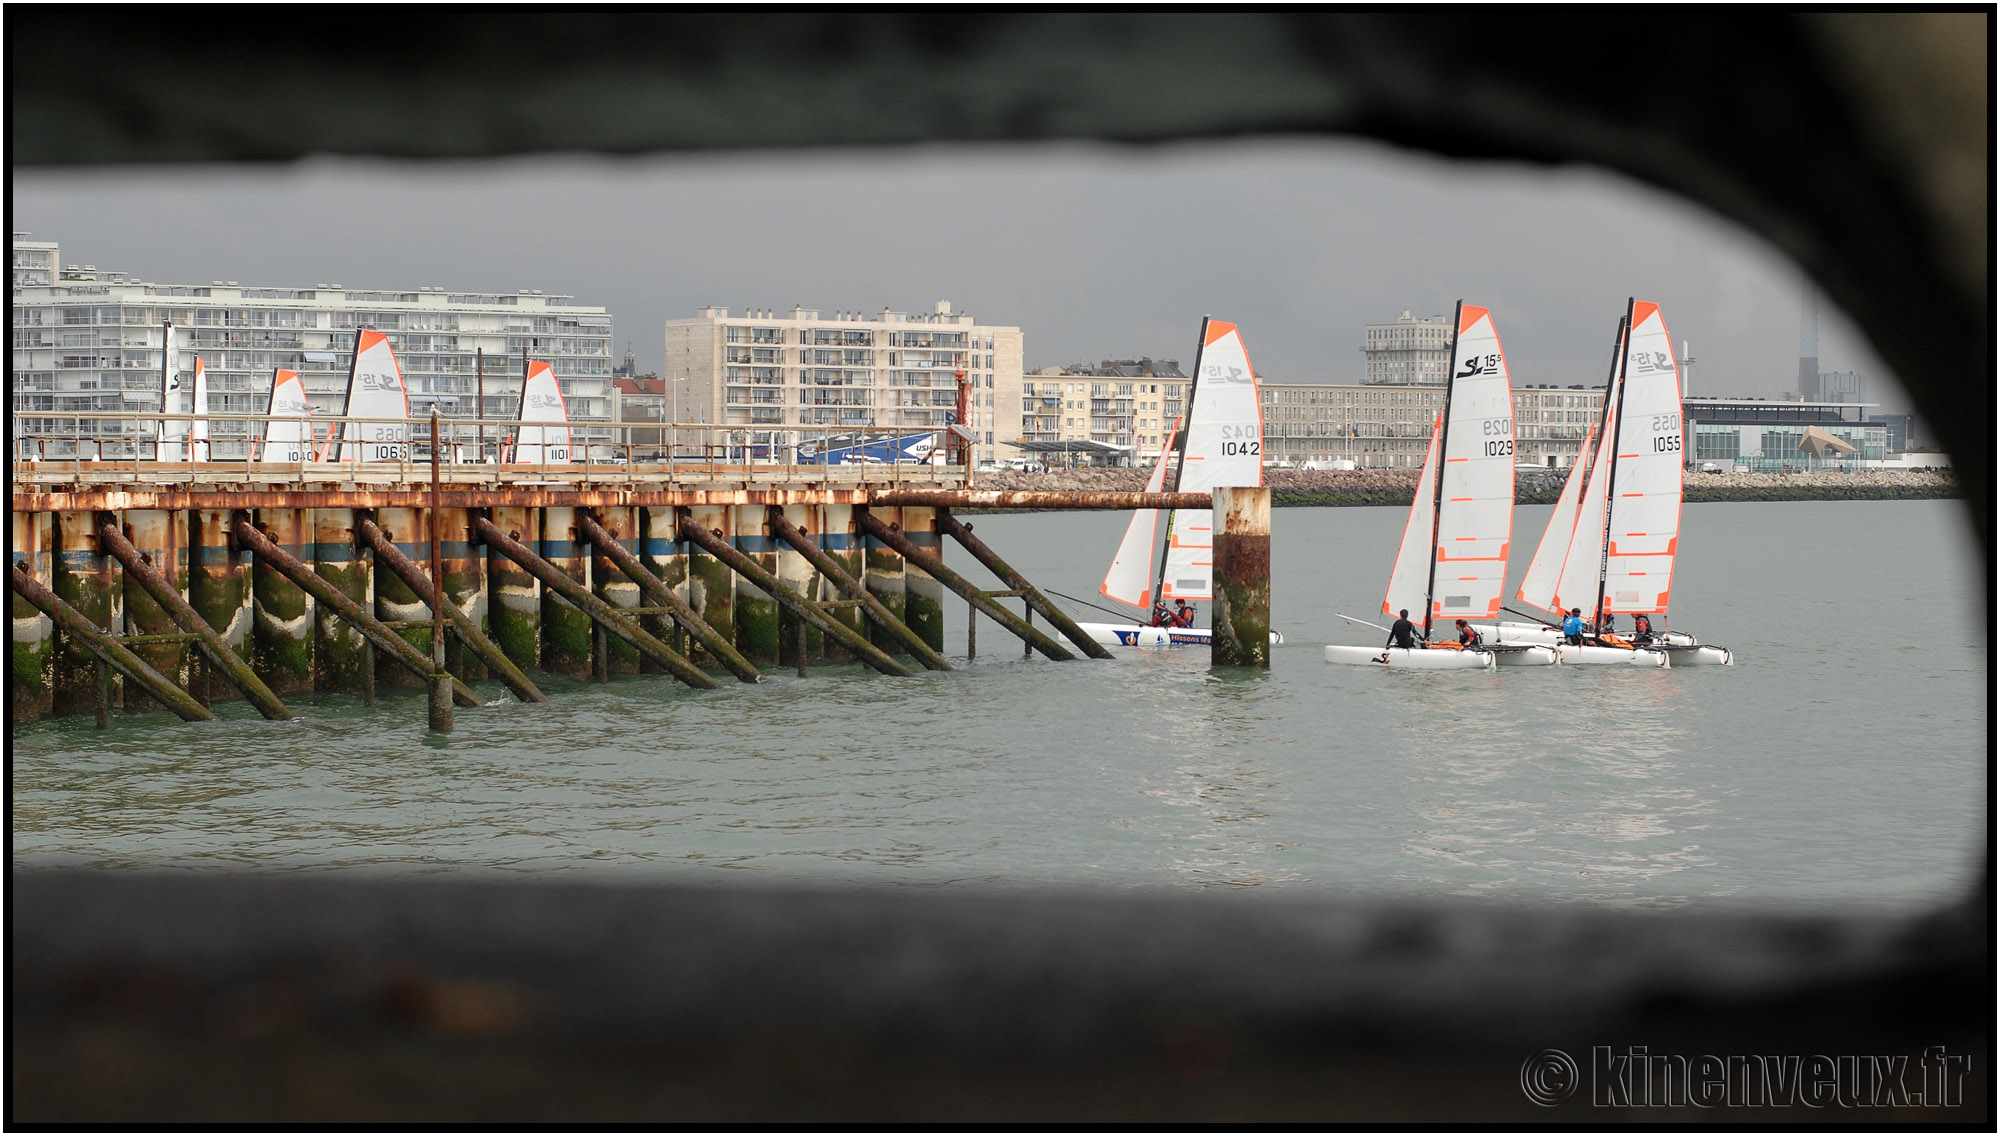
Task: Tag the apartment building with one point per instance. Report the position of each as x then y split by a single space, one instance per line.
784 375
1127 404
93 341
1389 425
1407 350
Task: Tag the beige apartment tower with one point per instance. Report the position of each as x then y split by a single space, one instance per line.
787 375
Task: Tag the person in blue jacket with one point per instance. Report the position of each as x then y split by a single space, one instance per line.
1573 627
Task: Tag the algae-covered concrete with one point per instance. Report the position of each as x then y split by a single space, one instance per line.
1241 633
612 586
395 600
91 582
661 553
566 638
711 586
282 619
514 613
160 536
340 651
31 657
758 623
923 605
219 591
884 579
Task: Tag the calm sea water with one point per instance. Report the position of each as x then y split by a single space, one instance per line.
1842 762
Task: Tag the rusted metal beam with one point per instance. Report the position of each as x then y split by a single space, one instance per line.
657 590
321 590
496 660
182 613
1036 499
744 566
962 533
599 611
870 606
109 650
930 564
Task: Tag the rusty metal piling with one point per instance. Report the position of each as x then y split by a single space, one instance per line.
390 643
830 568
218 653
440 686
591 606
496 660
1031 597
109 650
800 606
656 590
936 569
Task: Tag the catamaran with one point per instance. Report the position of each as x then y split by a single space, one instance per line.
1220 444
1618 523
287 433
1452 562
543 436
375 390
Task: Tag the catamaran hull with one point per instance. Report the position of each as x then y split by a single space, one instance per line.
1433 659
1703 655
1134 635
1510 631
1592 656
1535 655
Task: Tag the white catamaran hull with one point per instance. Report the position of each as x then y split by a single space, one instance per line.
1135 635
1593 656
1703 655
1511 631
1419 658
1511 654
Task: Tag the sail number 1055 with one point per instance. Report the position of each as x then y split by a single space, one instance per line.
1666 443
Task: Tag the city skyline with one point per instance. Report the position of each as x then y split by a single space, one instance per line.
1096 252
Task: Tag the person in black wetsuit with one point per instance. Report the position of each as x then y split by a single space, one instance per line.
1403 633
1642 630
1467 637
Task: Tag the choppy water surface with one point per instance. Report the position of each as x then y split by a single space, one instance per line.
1842 761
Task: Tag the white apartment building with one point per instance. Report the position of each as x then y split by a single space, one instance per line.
34 261
780 374
92 341
1406 350
1389 425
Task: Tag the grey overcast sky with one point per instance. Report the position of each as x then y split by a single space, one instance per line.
1093 251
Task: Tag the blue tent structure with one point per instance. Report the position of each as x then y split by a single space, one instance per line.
859 449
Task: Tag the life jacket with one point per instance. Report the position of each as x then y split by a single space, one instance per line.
1612 640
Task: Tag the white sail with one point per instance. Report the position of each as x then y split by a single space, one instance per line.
1538 587
1646 508
1225 430
1409 578
375 390
199 431
287 434
173 435
542 401
1576 585
1130 578
1476 471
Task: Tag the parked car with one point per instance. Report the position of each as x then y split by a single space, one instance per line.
1710 467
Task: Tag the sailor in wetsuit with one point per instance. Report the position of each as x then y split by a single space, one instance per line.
1642 631
1467 637
1183 614
1403 633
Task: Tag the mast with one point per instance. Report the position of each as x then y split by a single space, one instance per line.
1186 425
1615 421
1437 485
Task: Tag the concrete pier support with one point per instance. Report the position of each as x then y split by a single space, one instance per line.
219 591
884 580
342 659
1241 635
281 629
759 626
91 582
394 600
839 538
797 573
464 588
923 605
614 588
711 586
160 536
659 550
31 656
514 610
566 639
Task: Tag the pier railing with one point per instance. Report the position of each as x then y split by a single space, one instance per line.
121 446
